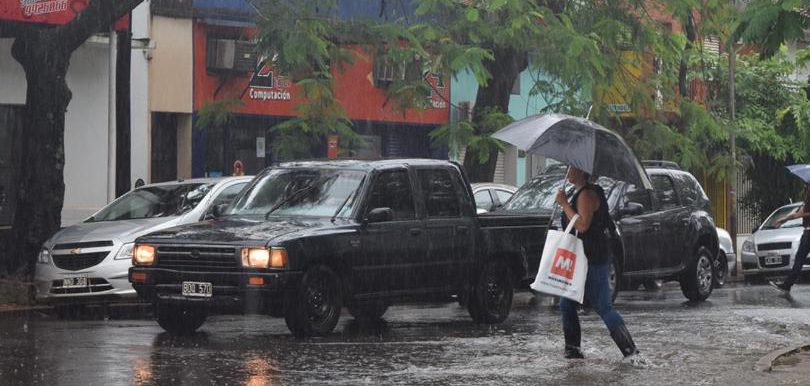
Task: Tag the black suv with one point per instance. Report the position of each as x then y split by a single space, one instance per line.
666 233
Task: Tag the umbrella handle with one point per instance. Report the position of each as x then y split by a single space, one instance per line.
557 206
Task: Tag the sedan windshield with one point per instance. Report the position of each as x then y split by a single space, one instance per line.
770 223
538 195
301 192
154 201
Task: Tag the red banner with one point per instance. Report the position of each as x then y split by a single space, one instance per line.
56 12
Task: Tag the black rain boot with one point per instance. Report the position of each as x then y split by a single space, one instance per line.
573 337
625 342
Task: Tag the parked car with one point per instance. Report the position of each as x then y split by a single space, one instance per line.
771 249
665 234
307 238
89 261
490 196
726 258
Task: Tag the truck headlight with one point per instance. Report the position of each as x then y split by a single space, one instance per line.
143 255
44 256
264 258
125 252
748 246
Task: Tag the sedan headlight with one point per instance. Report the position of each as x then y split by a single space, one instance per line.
264 258
748 246
143 255
44 256
125 252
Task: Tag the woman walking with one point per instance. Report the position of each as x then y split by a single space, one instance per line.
590 203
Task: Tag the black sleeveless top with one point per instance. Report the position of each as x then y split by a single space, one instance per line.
595 239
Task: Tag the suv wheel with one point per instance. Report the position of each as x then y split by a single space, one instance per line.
491 295
180 319
368 312
315 307
697 280
720 269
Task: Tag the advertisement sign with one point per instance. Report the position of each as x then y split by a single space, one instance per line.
55 12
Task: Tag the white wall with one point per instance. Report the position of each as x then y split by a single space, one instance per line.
139 93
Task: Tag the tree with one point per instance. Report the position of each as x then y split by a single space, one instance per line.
44 53
768 24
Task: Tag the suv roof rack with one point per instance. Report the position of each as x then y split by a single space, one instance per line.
648 163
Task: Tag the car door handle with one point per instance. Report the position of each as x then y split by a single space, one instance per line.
416 231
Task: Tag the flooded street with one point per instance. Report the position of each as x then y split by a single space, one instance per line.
716 342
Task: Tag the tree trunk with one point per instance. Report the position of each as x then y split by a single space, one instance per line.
40 175
505 69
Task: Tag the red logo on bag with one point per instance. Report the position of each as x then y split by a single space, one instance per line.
564 263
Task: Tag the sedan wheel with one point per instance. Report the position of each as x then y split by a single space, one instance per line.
720 270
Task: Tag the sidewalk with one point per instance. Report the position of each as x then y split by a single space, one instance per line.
793 360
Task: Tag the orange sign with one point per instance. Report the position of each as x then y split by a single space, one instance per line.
332 147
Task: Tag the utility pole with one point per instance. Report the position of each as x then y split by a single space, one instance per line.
732 192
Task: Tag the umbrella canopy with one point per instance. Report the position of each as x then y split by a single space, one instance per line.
577 142
802 171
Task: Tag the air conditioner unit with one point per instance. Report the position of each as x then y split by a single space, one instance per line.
230 55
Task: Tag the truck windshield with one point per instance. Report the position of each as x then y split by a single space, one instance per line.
301 192
154 201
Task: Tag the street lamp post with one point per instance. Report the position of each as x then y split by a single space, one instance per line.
732 191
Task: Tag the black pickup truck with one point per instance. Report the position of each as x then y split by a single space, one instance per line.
666 233
305 239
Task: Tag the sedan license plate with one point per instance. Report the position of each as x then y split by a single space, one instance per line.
773 259
198 289
74 282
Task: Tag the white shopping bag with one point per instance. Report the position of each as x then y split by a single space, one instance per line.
563 267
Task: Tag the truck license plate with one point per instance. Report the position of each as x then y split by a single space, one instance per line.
196 288
773 259
74 282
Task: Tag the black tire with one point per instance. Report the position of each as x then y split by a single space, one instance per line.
180 319
491 295
697 280
613 280
720 269
652 285
368 312
314 309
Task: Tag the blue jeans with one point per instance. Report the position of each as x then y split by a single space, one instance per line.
597 292
798 261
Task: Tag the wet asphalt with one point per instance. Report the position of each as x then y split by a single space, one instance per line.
714 342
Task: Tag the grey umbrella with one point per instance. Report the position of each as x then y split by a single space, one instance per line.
802 171
577 142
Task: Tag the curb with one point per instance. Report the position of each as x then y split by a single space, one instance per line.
765 364
21 310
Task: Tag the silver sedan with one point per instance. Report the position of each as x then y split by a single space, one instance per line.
770 251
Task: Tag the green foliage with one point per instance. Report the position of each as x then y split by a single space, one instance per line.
217 114
475 136
771 23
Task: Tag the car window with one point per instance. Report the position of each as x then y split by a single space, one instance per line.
226 195
392 189
770 222
640 196
664 191
483 200
690 190
154 201
503 195
438 192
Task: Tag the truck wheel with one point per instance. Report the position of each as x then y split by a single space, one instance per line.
696 281
491 294
180 319
368 312
315 308
652 285
720 269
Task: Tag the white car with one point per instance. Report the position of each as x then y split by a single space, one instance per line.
89 261
770 251
726 258
490 196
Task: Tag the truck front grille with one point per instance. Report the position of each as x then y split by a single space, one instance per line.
198 258
78 262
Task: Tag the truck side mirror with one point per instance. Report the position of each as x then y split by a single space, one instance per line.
631 209
379 215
